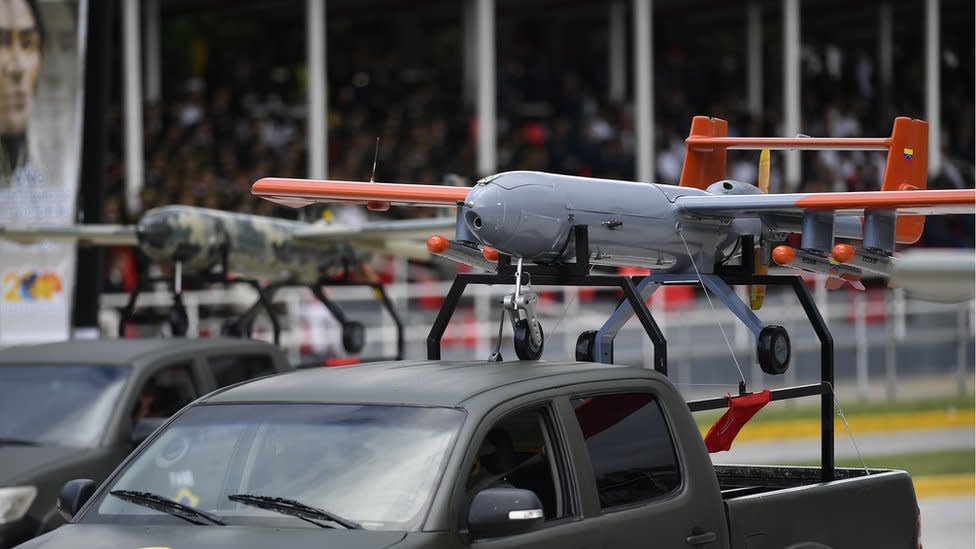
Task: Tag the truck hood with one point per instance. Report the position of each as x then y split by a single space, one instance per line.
19 463
79 536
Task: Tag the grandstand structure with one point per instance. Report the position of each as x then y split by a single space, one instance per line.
475 87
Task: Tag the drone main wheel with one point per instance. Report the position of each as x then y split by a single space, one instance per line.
525 349
353 336
773 350
586 346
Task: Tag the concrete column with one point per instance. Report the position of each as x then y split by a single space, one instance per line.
933 86
644 89
132 86
151 59
754 66
885 63
318 115
487 138
470 52
791 88
617 76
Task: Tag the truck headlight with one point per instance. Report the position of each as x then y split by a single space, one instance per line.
14 502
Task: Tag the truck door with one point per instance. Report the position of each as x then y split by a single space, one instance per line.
522 449
638 483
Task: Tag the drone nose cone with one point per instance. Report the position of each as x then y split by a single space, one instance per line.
153 231
485 215
520 214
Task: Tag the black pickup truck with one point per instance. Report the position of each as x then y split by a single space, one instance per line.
467 454
77 408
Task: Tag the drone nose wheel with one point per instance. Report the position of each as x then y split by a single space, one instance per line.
525 348
586 346
353 336
179 322
773 350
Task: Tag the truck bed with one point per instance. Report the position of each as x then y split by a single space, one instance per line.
776 507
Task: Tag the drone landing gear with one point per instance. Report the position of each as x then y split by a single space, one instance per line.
529 340
772 341
773 350
353 332
176 317
521 303
243 325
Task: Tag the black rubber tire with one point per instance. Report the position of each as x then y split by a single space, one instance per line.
353 336
773 350
179 322
586 346
524 348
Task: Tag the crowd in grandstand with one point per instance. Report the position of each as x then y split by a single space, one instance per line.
246 119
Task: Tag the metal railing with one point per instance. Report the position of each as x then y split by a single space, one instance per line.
881 329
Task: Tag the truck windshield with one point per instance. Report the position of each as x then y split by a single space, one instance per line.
373 465
64 405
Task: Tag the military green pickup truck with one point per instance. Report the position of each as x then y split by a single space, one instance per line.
461 454
76 408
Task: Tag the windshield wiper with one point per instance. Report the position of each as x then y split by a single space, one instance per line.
17 442
166 505
295 508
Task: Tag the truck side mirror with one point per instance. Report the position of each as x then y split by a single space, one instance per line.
145 427
73 495
496 512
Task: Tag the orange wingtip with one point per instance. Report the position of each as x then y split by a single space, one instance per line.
306 191
921 202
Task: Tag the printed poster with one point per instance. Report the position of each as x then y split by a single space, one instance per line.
42 52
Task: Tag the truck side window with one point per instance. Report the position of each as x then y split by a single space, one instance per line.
230 369
517 453
166 391
630 447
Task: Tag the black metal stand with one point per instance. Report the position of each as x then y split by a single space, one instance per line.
574 274
577 274
246 320
826 386
240 327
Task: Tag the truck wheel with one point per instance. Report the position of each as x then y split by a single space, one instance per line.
586 346
353 336
773 350
524 347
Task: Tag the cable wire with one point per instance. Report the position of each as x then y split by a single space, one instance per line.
712 306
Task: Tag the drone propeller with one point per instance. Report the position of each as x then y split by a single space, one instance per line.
757 292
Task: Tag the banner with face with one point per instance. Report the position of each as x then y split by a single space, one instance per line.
42 51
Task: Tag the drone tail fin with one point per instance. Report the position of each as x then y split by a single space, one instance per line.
906 169
704 165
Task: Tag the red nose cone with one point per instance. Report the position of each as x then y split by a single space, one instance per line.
843 253
437 244
784 255
491 254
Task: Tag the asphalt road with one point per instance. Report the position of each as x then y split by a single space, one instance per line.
947 523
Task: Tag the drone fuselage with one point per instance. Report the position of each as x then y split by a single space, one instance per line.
255 246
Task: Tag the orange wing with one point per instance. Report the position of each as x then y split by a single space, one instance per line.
959 201
302 192
934 202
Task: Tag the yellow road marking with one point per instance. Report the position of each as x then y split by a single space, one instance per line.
868 423
933 486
